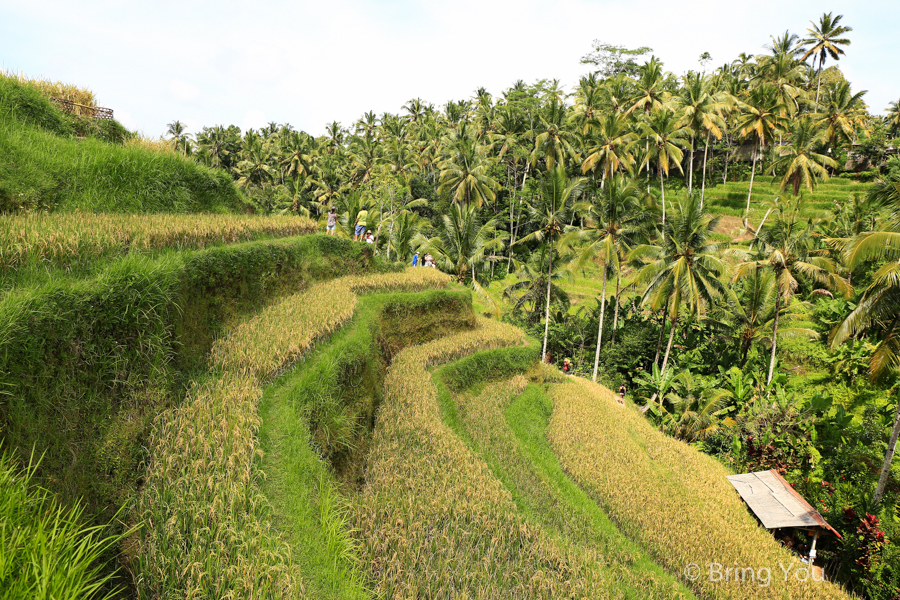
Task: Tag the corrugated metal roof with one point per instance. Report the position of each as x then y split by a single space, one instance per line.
775 502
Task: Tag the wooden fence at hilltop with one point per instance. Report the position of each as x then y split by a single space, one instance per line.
74 108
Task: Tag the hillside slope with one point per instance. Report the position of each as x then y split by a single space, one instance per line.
44 165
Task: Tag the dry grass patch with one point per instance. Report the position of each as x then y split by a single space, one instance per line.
61 238
208 531
433 521
672 499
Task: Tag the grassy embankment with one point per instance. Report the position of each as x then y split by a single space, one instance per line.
206 526
671 499
317 421
43 165
505 423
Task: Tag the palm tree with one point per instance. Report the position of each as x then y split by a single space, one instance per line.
764 115
180 139
615 224
532 285
406 227
701 109
665 136
750 312
608 145
686 268
465 174
879 306
549 214
801 164
824 39
842 113
553 141
893 117
787 246
463 242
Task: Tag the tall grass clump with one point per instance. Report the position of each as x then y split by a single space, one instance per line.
46 550
672 499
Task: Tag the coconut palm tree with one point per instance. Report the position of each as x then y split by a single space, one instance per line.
701 109
549 214
879 306
787 246
180 137
665 136
802 165
842 113
465 173
463 242
553 141
824 40
608 145
749 312
685 269
614 225
893 117
764 115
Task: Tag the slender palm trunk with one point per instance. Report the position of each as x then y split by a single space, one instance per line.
703 182
774 337
547 313
512 204
727 155
750 192
888 458
646 152
691 168
819 80
616 310
600 329
662 371
663 188
662 328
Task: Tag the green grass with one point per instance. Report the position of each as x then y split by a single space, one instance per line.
316 424
46 550
42 166
507 429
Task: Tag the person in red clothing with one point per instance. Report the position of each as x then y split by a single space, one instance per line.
567 367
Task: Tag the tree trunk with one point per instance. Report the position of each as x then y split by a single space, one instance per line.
646 152
663 188
819 83
616 310
662 328
888 458
703 183
691 168
547 314
662 371
750 192
727 154
600 329
774 335
512 203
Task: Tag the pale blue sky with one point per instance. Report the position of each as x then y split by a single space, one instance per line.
310 63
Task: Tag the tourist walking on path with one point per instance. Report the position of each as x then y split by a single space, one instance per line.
622 394
332 221
567 367
361 220
415 259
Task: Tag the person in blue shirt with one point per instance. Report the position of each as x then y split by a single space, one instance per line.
415 259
